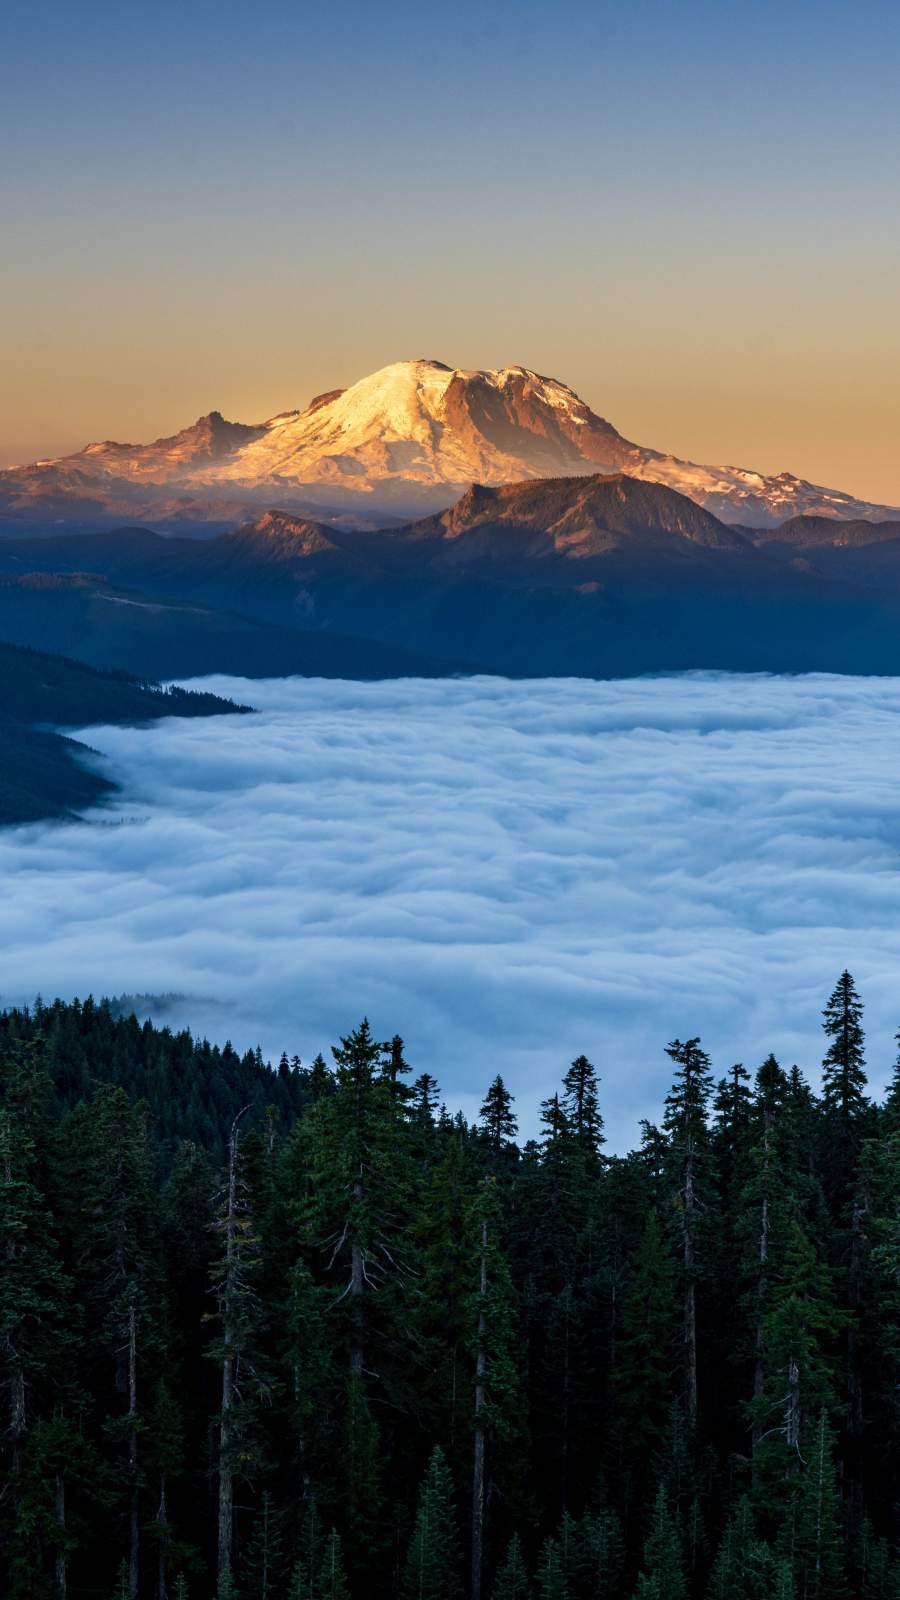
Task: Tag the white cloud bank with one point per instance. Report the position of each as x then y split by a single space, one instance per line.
506 873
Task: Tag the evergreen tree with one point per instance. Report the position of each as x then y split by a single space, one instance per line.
646 1347
745 1567
552 1582
812 1539
495 1382
33 1285
432 1570
263 1562
239 1314
497 1117
523 1313
662 1574
304 1584
511 1582
332 1577
581 1104
843 1069
686 1127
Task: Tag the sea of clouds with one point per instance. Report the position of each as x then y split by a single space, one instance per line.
506 873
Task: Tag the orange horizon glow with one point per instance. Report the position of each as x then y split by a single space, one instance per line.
690 215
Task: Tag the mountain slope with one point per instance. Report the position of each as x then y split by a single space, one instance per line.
42 773
85 617
406 440
601 576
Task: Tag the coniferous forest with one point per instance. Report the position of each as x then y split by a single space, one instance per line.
301 1334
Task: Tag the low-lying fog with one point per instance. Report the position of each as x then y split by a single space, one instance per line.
506 873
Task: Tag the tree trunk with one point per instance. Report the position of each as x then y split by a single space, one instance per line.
478 1466
17 1419
134 1517
566 1404
792 1416
357 1287
690 1301
162 1562
61 1547
226 1470
759 1375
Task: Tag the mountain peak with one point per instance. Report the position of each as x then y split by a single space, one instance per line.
403 441
583 515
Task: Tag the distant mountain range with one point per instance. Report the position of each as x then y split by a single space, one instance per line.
596 576
405 441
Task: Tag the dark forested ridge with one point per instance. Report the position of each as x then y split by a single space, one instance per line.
42 773
300 1334
593 577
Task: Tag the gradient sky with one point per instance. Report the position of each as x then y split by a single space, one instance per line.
689 212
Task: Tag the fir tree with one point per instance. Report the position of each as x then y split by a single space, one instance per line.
815 1544
646 1346
843 1069
581 1104
511 1582
432 1570
332 1577
263 1564
497 1117
552 1582
662 1574
686 1127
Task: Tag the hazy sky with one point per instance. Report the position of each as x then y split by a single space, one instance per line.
638 860
690 212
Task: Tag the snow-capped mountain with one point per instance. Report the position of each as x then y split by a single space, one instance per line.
406 440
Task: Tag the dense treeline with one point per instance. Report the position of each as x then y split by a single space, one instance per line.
300 1334
43 774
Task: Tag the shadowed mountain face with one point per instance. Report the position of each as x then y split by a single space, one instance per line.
43 773
601 576
405 441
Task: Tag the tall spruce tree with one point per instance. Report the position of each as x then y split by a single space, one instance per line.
497 1118
432 1570
662 1575
512 1582
581 1104
688 1135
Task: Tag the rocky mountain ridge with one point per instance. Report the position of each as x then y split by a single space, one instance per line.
405 441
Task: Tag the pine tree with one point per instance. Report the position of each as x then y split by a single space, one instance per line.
360 1494
497 1117
33 1285
111 1182
432 1570
646 1345
745 1567
816 1543
552 1583
332 1577
511 1582
166 1452
234 1275
581 1104
686 1127
262 1566
890 1111
304 1584
662 1574
799 1331
843 1069
495 1386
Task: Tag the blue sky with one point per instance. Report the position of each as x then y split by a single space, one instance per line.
688 212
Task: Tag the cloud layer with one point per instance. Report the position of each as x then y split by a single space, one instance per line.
506 873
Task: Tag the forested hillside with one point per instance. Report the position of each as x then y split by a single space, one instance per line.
301 1334
42 773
